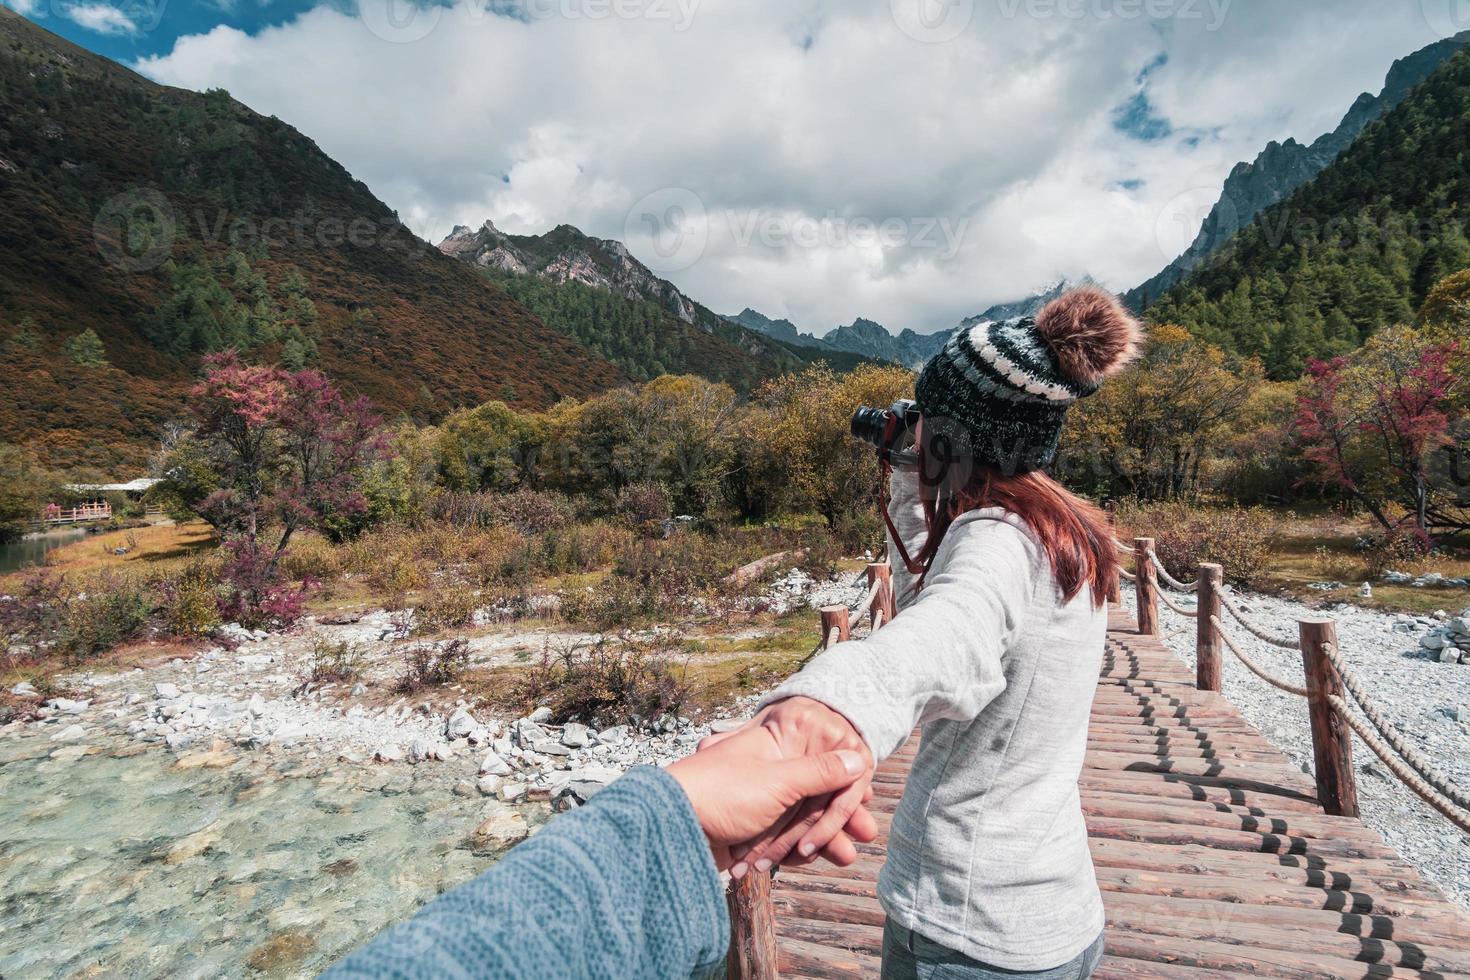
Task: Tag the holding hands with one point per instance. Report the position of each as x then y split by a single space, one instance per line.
789 786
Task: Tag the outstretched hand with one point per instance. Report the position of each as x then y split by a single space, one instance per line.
823 824
745 783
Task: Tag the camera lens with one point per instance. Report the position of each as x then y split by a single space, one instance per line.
869 424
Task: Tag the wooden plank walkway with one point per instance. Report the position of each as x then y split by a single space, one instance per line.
1212 854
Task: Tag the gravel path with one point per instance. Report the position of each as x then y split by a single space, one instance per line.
1428 701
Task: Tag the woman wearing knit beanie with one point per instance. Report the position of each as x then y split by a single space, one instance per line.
995 654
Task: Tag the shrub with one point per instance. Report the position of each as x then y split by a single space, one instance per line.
311 557
1239 538
1395 551
445 607
642 505
335 660
254 595
113 610
395 575
31 618
615 602
190 601
434 664
604 683
533 511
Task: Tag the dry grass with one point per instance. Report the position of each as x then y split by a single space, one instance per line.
160 547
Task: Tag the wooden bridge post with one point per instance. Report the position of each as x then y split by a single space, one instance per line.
1332 743
886 601
1209 662
838 617
1147 586
752 954
1110 507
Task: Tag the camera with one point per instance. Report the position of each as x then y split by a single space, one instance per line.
891 430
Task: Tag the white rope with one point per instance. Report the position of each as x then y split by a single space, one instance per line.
858 610
834 636
1251 665
1393 736
1398 767
1121 546
1164 598
1127 575
1253 629
877 619
1168 579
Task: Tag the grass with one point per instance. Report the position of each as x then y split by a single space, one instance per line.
159 546
1306 555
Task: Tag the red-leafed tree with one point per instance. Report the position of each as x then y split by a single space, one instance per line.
273 452
1379 424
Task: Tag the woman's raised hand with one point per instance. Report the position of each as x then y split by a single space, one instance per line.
822 824
744 784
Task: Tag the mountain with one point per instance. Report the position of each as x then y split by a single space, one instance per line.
146 226
782 330
1281 168
594 290
1356 248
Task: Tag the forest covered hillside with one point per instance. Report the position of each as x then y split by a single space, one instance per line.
1356 249
147 226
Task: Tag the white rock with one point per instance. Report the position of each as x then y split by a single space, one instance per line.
501 830
24 690
541 715
442 752
1365 591
494 765
617 735
256 705
575 736
388 753
511 792
69 707
178 741
70 734
1449 655
1433 641
490 785
165 690
460 724
420 750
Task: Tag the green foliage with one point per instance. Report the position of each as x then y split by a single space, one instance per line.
113 609
86 350
335 661
24 489
190 601
1356 250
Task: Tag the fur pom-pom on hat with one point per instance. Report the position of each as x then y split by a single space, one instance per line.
1090 333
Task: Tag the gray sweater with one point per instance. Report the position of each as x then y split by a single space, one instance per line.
988 850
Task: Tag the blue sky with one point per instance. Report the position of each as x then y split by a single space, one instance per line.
910 161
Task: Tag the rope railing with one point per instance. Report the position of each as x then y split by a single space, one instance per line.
1285 643
1178 610
867 601
1126 575
1168 579
1252 666
1399 767
1393 736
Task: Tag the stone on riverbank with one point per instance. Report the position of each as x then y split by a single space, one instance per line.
501 830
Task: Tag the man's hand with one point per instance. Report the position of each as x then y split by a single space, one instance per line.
821 824
744 784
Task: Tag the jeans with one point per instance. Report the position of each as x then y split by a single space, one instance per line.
909 956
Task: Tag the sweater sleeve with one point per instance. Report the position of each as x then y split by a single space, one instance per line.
941 657
907 512
622 887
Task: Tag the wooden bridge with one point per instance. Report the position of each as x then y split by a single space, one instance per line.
1213 851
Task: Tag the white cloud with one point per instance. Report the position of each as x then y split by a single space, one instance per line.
26 8
100 17
796 125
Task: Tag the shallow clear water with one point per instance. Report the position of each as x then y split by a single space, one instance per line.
32 549
126 866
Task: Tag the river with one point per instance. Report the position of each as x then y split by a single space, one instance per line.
32 549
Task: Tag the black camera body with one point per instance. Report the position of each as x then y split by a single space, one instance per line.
891 430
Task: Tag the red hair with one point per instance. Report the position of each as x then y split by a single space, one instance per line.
1074 534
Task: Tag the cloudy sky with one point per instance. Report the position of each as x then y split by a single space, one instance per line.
911 161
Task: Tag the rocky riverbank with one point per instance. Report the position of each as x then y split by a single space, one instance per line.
1428 700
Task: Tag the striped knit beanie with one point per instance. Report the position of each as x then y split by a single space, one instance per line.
1006 387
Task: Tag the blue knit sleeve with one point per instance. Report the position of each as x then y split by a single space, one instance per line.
622 887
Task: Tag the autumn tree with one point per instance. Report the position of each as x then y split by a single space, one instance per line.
24 486
1386 425
272 453
1150 432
